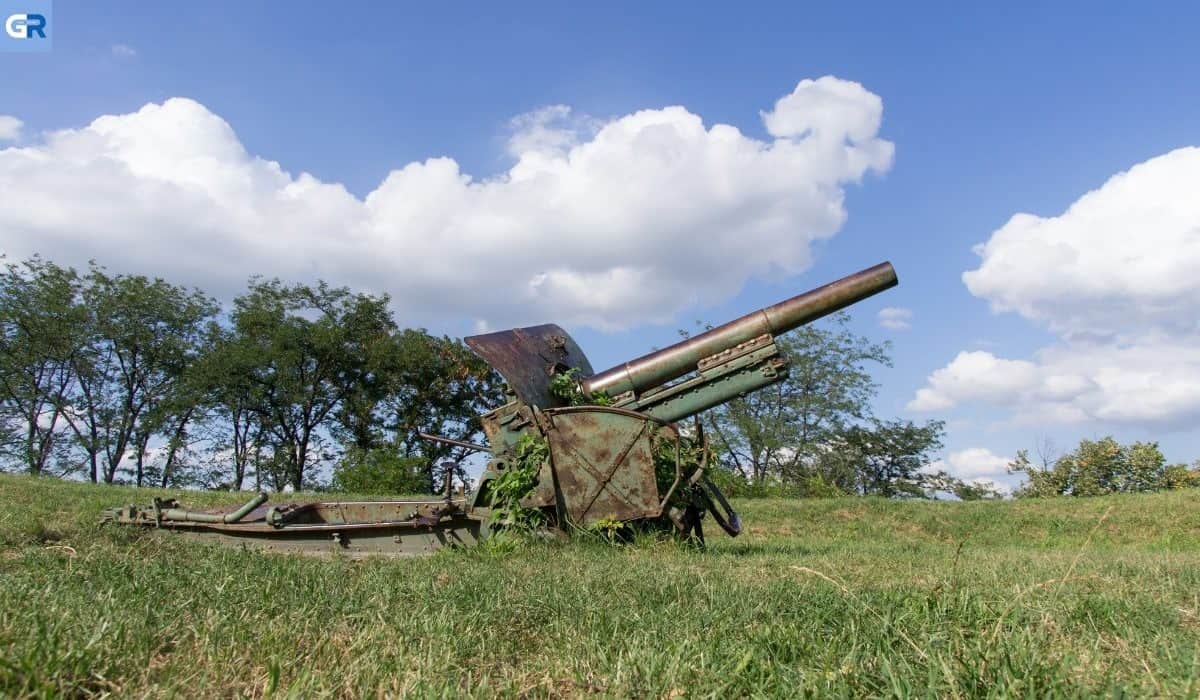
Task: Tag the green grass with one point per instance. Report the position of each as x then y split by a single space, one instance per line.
841 598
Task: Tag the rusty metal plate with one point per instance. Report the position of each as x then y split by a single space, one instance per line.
354 541
528 357
350 528
604 464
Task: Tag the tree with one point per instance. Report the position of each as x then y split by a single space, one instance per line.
139 337
416 383
1098 467
777 432
380 471
40 322
890 455
940 482
815 431
966 491
229 400
306 350
178 416
1179 476
439 386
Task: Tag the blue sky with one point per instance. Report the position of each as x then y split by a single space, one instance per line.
992 111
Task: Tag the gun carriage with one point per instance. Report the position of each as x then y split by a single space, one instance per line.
614 449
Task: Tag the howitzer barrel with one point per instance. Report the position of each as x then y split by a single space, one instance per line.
662 366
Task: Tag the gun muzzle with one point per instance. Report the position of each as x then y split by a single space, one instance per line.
662 366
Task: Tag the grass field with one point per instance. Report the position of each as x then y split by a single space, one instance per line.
842 598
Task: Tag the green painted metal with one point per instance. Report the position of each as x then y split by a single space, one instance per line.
351 528
198 517
603 463
758 365
661 366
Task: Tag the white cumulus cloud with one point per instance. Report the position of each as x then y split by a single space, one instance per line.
1123 258
895 318
973 462
553 130
975 465
608 223
1117 277
975 376
10 128
1152 380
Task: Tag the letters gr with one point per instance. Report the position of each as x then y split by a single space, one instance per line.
24 26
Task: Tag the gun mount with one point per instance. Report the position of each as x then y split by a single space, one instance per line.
613 452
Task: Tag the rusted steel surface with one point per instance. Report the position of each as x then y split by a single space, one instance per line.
604 465
351 527
677 360
528 358
363 539
738 371
207 517
596 464
456 443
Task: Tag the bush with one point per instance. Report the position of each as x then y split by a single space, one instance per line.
734 485
1099 467
380 471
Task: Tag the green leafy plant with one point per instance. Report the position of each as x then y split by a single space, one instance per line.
691 458
514 483
380 471
1099 467
611 529
565 385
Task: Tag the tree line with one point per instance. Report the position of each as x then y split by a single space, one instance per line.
121 378
125 379
1100 467
815 434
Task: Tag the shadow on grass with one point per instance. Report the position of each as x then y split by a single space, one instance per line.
752 549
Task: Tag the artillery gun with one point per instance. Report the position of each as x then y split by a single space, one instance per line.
607 448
